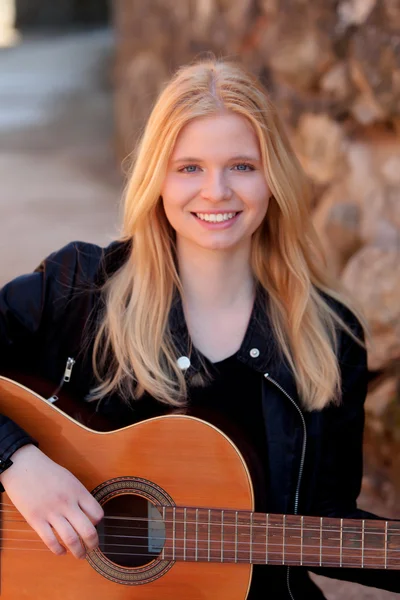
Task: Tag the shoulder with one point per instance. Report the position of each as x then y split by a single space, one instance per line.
83 262
350 344
352 357
76 273
348 317
65 283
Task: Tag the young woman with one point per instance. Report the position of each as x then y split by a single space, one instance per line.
215 300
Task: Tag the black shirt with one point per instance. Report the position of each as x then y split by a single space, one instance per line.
232 402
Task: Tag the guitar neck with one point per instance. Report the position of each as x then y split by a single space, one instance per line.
211 535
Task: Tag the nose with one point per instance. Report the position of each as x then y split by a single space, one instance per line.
216 187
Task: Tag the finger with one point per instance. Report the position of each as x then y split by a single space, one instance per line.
91 508
69 536
85 529
47 534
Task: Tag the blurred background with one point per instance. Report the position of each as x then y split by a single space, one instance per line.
77 80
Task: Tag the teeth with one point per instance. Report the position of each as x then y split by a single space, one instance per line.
216 217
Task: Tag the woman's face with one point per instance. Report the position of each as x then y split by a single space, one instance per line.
215 194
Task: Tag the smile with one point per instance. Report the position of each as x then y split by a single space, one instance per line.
216 217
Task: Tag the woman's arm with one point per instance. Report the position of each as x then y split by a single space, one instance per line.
21 309
50 498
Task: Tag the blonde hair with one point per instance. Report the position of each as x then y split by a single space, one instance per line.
134 349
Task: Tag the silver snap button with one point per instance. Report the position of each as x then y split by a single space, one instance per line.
254 353
183 363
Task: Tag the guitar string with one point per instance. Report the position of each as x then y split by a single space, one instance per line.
232 561
205 541
239 560
217 540
226 542
276 529
325 528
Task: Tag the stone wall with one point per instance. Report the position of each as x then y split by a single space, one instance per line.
333 69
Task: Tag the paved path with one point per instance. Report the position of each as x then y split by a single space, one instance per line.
58 179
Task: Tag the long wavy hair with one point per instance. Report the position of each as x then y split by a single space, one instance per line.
134 350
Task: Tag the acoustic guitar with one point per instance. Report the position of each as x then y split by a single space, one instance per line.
179 520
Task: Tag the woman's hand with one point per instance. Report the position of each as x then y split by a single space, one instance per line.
52 500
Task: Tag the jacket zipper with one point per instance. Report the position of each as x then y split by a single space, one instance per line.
65 379
303 455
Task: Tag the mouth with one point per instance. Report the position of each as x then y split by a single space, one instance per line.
219 217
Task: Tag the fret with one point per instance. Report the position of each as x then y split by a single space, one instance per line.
352 542
283 538
173 531
341 544
228 536
245 537
310 540
266 538
320 541
301 540
362 543
222 536
386 542
209 536
197 535
393 544
251 537
163 550
236 536
373 544
184 533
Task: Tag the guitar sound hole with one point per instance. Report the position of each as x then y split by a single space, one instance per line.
132 533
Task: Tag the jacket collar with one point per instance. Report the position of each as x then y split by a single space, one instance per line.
259 349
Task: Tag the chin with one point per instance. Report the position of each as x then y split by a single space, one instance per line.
219 246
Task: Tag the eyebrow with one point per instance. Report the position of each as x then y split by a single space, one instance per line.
232 158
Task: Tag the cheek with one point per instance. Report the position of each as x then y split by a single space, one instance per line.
177 192
259 205
258 197
174 207
171 212
254 190
170 202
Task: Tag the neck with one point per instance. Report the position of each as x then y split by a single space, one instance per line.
215 279
214 535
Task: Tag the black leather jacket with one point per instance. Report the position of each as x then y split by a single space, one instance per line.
314 458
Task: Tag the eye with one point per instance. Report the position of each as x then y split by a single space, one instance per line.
188 169
243 167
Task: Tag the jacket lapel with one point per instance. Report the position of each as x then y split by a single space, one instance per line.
284 433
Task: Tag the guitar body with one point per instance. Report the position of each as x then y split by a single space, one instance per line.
192 463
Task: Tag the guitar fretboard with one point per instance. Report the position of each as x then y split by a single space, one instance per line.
210 535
